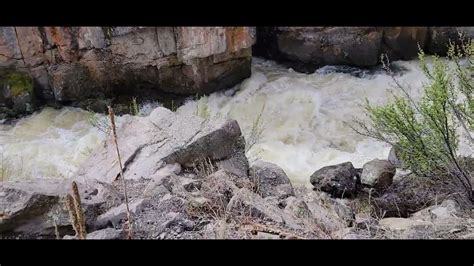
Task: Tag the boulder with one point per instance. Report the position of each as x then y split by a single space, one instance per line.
149 143
339 180
36 207
270 180
378 174
307 48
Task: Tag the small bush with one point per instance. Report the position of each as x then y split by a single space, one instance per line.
256 131
425 131
134 109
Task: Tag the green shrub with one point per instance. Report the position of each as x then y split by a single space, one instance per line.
425 131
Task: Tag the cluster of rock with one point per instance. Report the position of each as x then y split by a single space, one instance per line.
187 177
396 204
307 48
86 66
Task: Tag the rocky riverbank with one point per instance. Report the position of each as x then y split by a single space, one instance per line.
189 178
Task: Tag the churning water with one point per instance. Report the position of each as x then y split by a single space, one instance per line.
304 121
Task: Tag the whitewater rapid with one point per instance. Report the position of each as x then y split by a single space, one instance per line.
304 121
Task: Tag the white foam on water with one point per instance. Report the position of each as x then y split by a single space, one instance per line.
305 114
304 121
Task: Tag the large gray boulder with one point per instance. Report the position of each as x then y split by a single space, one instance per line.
270 180
36 208
148 144
339 180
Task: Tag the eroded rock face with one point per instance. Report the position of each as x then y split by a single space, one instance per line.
71 64
308 48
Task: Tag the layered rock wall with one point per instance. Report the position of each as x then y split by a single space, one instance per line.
72 64
307 48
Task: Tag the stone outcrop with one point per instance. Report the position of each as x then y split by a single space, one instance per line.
308 48
148 144
72 64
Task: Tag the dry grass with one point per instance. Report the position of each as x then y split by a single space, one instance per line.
124 185
76 215
414 193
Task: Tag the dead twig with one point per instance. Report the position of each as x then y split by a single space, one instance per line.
114 136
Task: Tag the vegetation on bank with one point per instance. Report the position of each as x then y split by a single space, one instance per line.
426 132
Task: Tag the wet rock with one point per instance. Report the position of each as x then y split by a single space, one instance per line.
401 43
439 37
339 180
378 174
307 48
72 82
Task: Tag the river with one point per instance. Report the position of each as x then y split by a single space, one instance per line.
304 121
